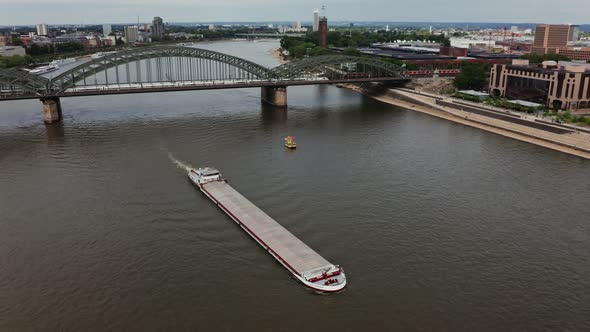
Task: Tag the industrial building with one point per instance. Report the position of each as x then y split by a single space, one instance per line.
131 33
564 85
12 50
430 57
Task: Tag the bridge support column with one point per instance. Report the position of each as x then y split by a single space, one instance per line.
51 109
274 95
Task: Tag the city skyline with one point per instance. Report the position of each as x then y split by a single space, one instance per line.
110 11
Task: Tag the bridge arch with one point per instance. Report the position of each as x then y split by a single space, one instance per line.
18 80
371 66
84 71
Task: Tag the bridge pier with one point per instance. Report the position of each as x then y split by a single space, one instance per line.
274 95
51 109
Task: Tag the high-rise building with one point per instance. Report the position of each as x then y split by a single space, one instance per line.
158 30
106 29
549 37
131 32
323 29
42 29
316 20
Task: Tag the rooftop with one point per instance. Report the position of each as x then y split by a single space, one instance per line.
524 103
474 93
552 66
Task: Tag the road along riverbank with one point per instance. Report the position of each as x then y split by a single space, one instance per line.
568 141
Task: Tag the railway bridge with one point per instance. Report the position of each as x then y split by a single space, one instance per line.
177 68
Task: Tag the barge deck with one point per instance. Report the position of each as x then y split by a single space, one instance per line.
304 263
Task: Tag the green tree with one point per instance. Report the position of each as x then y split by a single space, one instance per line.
352 51
319 51
15 61
538 58
68 47
472 76
298 51
17 42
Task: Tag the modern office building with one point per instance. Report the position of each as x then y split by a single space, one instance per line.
106 29
131 33
564 85
323 29
316 20
551 37
42 29
158 29
557 38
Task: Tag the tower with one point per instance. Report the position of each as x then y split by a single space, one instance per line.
323 29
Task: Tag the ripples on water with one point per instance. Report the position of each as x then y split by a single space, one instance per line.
439 226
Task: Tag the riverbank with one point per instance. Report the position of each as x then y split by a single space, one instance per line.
575 143
276 53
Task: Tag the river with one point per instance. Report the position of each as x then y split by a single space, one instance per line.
439 226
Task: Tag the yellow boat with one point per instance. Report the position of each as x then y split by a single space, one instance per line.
290 142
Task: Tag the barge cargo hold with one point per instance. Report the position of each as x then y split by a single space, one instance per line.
304 263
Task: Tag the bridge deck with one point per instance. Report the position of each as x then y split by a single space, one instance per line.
262 227
116 89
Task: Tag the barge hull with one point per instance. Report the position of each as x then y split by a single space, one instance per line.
304 263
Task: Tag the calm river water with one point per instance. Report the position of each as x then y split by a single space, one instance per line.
440 227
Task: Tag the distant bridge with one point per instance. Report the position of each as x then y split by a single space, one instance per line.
174 68
268 35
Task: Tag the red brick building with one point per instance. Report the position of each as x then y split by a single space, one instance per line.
323 29
575 53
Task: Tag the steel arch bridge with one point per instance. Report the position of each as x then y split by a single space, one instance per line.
160 64
174 68
22 82
326 64
168 68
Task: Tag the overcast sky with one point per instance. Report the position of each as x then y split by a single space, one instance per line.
14 12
